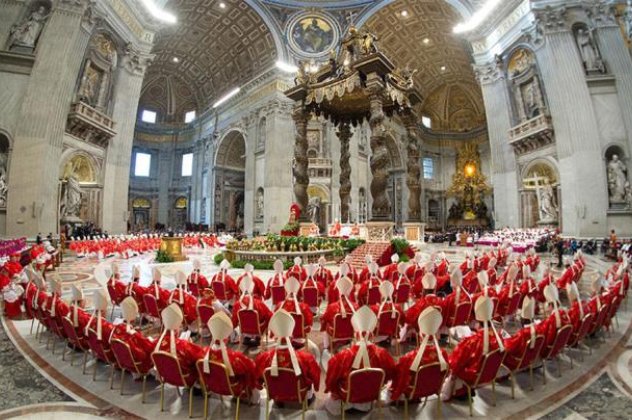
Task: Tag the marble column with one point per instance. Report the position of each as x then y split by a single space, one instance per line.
119 151
503 161
34 173
381 206
249 124
413 167
576 131
344 135
301 162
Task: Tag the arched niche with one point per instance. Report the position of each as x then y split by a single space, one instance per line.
525 85
230 169
98 74
262 134
26 31
259 204
5 152
618 178
319 204
79 176
540 194
141 217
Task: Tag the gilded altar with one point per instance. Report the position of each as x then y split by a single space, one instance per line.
172 246
469 188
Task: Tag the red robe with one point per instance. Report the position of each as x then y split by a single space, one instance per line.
402 381
516 344
117 290
188 304
323 275
450 303
389 270
230 287
290 306
311 282
412 314
340 367
352 274
415 272
310 370
327 319
278 280
197 278
257 304
141 346
567 277
260 287
188 354
333 295
244 370
467 357
388 307
470 282
551 330
297 272
363 292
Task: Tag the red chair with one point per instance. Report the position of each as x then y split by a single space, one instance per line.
127 362
461 315
194 289
249 323
77 342
612 314
578 336
278 294
342 331
205 312
599 319
170 372
402 293
373 296
363 386
562 336
220 290
513 304
526 360
388 326
102 351
427 381
311 297
490 366
57 329
152 306
218 381
299 332
285 387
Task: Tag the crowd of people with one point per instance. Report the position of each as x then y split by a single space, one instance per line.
429 301
128 246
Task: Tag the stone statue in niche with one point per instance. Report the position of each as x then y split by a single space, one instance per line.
548 209
530 98
313 209
71 200
3 179
589 51
259 205
89 92
26 34
617 179
627 20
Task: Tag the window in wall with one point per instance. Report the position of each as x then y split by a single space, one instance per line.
428 164
149 116
143 163
426 121
189 116
187 164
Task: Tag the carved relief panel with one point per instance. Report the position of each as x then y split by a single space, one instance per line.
525 86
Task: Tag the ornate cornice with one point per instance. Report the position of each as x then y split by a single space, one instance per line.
552 19
135 61
601 14
489 72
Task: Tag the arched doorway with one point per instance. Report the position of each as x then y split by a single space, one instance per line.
180 212
230 168
140 214
319 205
540 197
5 146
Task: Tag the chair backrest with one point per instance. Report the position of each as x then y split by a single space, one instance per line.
194 289
70 331
124 356
100 348
373 295
387 324
402 294
489 367
462 313
168 368
310 296
286 386
217 380
151 305
514 302
205 312
278 294
249 321
299 326
561 338
600 318
427 381
364 385
531 353
219 289
343 329
584 328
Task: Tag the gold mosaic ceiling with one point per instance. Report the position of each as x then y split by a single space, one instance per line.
217 49
443 60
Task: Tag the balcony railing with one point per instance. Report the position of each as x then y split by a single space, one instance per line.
90 124
532 134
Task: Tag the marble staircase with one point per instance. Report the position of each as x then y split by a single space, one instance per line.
375 249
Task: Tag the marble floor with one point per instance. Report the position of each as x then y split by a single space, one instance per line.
39 384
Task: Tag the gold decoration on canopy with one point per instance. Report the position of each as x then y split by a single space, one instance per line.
469 185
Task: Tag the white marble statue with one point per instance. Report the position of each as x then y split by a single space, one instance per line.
260 203
314 209
617 178
627 20
71 199
26 33
589 51
4 189
548 209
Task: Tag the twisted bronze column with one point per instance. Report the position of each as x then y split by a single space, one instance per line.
344 135
413 167
300 165
381 208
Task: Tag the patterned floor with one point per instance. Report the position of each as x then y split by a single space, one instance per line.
40 385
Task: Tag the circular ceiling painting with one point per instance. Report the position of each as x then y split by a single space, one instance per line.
312 35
